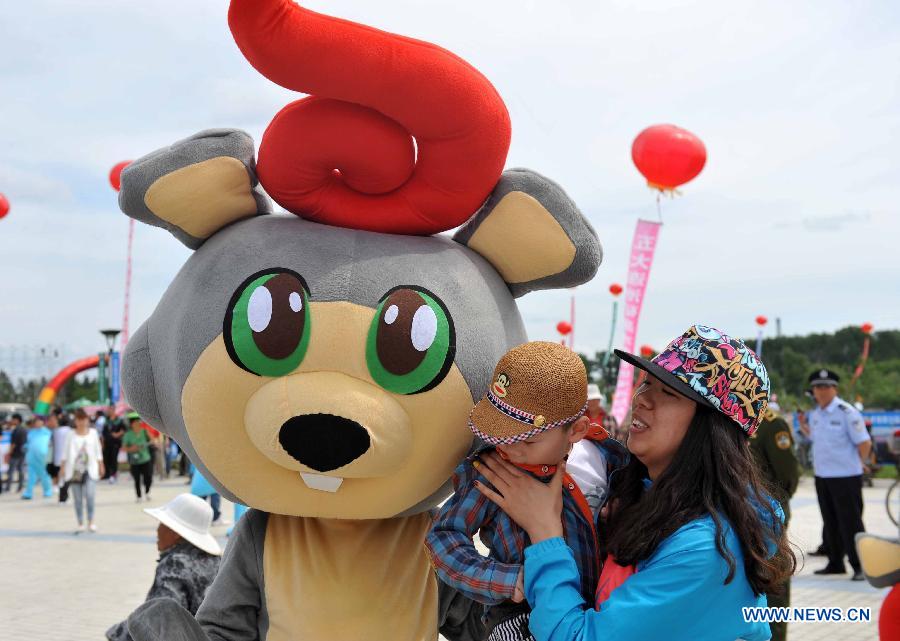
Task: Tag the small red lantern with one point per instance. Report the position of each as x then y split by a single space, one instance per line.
615 289
647 351
867 328
4 206
761 320
668 156
564 327
115 174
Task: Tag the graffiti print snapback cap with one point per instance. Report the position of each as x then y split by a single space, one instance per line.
715 370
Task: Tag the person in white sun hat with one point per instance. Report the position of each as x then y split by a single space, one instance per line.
188 559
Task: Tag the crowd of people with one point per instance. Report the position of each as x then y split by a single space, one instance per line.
595 530
67 453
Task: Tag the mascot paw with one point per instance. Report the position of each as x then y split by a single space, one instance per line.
164 620
196 186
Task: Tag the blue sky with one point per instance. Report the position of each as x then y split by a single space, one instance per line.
795 215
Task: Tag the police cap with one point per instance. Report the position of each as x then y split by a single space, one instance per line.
823 377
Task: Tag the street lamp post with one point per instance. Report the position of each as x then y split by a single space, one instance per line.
105 393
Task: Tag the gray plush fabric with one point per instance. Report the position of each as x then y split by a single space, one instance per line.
163 620
138 377
235 604
210 143
588 252
338 265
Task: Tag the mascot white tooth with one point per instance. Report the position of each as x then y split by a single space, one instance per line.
319 367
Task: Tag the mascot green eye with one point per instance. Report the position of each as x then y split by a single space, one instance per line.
411 343
267 325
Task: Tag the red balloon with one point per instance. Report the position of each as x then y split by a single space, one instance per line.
615 289
563 327
4 206
647 351
668 156
115 174
761 320
867 328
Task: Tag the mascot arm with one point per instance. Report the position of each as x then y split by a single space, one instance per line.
234 605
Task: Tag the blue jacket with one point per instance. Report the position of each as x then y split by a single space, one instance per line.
38 444
200 486
677 594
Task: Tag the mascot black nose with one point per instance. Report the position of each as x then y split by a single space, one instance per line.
323 442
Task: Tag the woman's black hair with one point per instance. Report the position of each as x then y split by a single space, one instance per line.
712 473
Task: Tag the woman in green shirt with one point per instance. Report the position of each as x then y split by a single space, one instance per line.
136 443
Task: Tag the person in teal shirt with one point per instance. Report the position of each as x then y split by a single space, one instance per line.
36 456
136 443
690 539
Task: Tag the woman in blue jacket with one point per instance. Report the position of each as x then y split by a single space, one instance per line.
690 537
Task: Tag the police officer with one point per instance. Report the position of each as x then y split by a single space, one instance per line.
840 444
773 448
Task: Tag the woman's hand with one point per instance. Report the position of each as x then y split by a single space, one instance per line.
535 506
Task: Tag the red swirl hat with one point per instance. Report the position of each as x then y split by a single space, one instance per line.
398 136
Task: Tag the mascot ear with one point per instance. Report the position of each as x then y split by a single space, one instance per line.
533 234
196 186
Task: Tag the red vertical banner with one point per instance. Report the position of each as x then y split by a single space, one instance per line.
643 248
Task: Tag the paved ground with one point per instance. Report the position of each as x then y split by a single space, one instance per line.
59 586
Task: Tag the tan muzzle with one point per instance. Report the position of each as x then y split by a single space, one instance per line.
311 401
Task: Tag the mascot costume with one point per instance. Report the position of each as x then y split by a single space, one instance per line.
880 558
319 366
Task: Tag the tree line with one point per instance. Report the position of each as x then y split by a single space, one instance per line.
26 391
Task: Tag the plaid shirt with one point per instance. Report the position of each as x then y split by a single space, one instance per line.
492 580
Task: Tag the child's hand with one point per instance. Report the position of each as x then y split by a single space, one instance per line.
519 594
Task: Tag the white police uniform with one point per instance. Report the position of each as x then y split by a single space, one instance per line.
836 430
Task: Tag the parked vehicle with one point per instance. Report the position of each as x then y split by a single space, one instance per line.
8 409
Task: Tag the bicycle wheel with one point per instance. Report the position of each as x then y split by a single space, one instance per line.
892 502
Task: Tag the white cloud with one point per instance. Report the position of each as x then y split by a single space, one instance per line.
797 102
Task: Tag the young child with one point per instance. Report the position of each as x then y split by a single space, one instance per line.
533 414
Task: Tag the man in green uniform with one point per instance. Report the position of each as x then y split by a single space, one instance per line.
773 449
